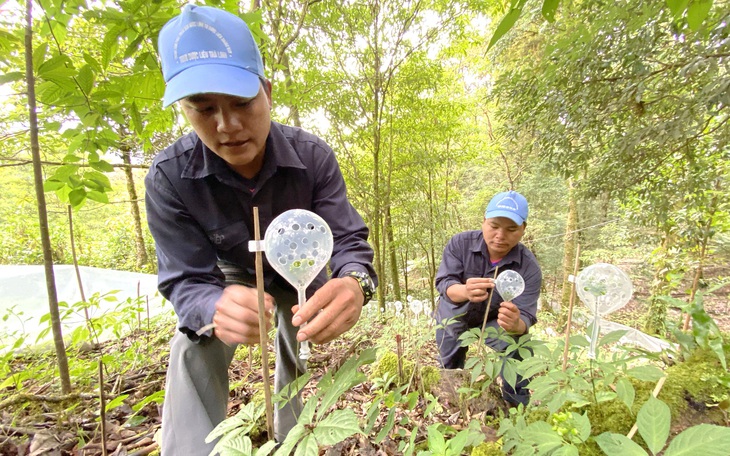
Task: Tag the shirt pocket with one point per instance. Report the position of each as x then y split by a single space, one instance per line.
472 272
229 236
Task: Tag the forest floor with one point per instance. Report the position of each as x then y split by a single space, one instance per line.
36 421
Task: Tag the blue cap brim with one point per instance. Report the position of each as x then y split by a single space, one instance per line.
510 215
211 78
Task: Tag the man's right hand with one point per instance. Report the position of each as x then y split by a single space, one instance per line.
475 289
237 315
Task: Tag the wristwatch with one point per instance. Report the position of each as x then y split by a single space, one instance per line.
366 283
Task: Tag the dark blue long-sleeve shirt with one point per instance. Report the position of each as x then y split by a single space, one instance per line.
200 212
465 257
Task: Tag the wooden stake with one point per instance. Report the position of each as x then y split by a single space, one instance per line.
102 408
399 349
570 307
486 313
262 328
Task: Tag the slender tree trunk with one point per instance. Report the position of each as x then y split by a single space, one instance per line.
432 243
42 215
571 238
293 107
394 276
141 250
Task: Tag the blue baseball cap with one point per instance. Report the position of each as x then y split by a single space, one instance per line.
508 204
208 50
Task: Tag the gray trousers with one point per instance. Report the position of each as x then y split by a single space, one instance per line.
196 388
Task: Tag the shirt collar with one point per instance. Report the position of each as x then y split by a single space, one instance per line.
203 162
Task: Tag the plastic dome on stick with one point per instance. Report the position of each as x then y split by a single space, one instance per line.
298 244
603 288
509 284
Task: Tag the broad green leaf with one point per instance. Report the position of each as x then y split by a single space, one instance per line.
612 337
11 76
646 373
543 437
509 373
77 197
137 124
85 78
677 7
110 45
338 426
582 424
619 445
102 165
116 402
49 92
372 415
697 12
387 428
626 392
56 64
292 439
458 442
266 448
701 440
99 197
345 378
63 173
507 22
436 441
566 450
92 62
549 7
39 56
654 420
307 447
239 445
476 370
51 185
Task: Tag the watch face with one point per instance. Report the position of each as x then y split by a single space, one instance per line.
366 283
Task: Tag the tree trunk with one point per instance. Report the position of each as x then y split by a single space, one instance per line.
42 214
394 276
141 250
571 238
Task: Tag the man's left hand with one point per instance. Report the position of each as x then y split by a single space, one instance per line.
340 302
509 318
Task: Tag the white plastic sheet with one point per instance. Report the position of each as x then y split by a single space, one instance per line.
23 288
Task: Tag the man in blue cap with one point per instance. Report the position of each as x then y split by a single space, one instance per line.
200 195
466 277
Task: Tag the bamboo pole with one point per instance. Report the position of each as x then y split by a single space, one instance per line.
262 327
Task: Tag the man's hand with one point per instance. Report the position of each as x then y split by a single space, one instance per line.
237 315
340 302
509 318
475 289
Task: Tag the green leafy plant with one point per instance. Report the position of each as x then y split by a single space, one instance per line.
653 422
318 424
441 442
705 333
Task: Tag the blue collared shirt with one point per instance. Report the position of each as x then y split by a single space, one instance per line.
200 212
465 257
